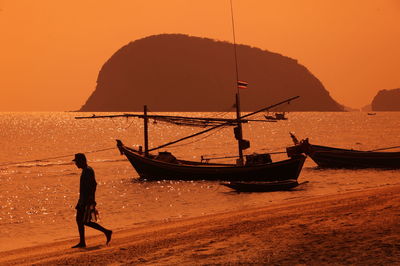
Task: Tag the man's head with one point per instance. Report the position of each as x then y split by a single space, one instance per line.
80 160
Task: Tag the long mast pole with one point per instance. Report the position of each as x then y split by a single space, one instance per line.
146 132
239 134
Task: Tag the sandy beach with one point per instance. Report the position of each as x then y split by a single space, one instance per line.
359 228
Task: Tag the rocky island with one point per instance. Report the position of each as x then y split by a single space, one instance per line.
387 100
176 72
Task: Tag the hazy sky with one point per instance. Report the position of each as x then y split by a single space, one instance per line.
52 50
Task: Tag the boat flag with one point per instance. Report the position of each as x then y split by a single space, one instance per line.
242 84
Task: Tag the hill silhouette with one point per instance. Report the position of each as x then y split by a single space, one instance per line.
387 100
176 72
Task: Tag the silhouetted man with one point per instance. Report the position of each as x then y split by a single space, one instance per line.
86 213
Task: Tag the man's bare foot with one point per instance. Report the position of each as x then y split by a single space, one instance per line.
79 245
108 235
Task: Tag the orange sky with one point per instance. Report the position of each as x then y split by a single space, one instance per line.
52 50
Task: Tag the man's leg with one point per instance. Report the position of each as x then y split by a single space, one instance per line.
106 232
81 229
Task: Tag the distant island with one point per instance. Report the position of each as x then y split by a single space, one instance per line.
386 100
176 72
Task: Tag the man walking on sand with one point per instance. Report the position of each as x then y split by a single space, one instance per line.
86 213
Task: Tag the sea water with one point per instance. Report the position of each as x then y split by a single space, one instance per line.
39 184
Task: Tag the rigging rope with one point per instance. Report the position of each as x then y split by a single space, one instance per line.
52 158
388 148
206 136
120 126
236 156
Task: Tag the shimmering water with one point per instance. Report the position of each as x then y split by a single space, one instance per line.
37 198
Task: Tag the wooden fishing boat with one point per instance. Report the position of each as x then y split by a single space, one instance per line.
245 186
166 167
329 157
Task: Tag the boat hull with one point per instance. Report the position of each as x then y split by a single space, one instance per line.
329 157
152 169
336 158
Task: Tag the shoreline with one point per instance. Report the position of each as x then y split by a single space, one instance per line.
358 227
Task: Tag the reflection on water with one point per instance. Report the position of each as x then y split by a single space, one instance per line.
38 197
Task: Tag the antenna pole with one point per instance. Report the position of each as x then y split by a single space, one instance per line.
234 49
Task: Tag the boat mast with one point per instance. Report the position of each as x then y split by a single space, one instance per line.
146 132
238 129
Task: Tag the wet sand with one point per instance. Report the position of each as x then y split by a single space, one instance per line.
359 228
